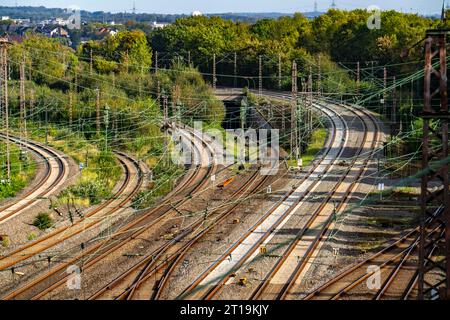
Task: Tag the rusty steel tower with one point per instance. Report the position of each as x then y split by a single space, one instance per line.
434 245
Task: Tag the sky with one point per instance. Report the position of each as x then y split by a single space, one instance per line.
220 6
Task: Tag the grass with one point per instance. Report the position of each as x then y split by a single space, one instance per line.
164 178
43 221
390 222
4 241
371 245
101 170
406 192
31 236
316 144
23 170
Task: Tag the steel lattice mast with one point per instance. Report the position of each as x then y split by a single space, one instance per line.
434 246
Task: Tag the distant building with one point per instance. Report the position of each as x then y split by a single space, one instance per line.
197 14
61 22
106 32
22 21
52 31
159 25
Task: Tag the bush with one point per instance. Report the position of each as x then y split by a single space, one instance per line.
93 190
143 200
31 236
43 221
4 241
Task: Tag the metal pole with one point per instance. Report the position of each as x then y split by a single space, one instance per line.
294 146
97 107
319 76
106 120
260 76
214 72
166 122
279 71
384 89
90 62
235 69
358 75
394 108
46 124
4 64
435 167
22 112
70 108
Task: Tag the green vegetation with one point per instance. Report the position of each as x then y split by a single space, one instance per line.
23 170
107 94
96 180
165 177
88 112
336 36
316 143
43 221
4 240
390 222
31 236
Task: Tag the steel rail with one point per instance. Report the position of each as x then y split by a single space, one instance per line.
37 149
211 292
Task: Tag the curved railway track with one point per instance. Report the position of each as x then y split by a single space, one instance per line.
55 174
95 252
129 187
398 275
147 279
207 285
91 219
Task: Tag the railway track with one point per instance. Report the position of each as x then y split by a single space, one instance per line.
287 272
128 188
398 275
56 172
148 278
209 283
94 252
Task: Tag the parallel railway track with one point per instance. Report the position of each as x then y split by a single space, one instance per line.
312 233
398 274
127 190
96 252
201 289
146 280
89 220
55 173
